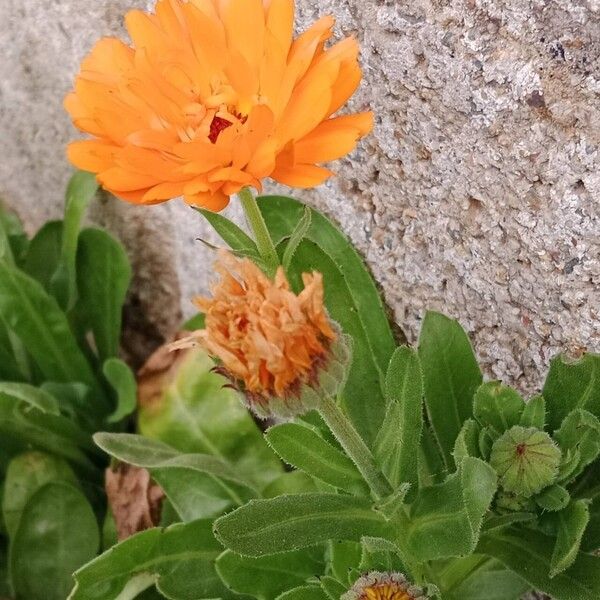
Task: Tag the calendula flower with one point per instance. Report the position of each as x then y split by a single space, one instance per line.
383 586
278 346
212 96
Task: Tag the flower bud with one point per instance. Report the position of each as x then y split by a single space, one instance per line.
383 586
526 460
280 349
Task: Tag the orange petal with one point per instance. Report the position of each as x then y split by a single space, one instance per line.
92 155
215 202
303 176
121 180
333 138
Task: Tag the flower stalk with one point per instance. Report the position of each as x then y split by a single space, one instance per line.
355 448
262 237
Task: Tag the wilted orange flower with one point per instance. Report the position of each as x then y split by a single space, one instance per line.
267 337
383 586
214 95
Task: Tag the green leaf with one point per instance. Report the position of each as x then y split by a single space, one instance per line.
332 587
553 498
343 557
296 237
351 298
306 592
31 395
497 406
534 414
26 474
103 276
528 553
493 521
571 523
285 523
57 533
195 322
445 519
198 485
490 582
467 442
179 558
81 189
45 431
398 442
122 380
43 254
572 384
230 233
10 370
450 375
293 482
37 320
432 469
591 537
579 432
305 449
196 413
266 577
13 241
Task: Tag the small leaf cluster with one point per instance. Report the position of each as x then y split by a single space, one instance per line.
61 296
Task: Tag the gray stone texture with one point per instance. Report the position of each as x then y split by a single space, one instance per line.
478 194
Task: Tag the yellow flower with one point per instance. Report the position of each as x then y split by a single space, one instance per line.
269 339
212 96
383 586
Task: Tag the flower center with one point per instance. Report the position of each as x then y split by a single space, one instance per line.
218 124
385 591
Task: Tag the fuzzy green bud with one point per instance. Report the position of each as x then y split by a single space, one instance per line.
526 460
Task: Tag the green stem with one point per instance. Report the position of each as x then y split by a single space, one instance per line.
262 236
354 447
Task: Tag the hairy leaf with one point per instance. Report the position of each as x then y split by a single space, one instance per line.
528 553
121 378
497 406
57 533
450 375
103 276
266 577
180 559
398 442
305 449
572 384
571 523
285 523
445 519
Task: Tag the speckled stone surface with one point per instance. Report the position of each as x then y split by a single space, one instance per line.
478 193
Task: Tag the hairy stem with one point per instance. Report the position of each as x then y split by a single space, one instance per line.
354 447
262 237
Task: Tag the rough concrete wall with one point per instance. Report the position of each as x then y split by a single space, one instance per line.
478 193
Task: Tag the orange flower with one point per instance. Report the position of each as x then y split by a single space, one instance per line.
267 337
213 96
383 586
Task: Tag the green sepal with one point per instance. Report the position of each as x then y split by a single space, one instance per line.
332 587
526 460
